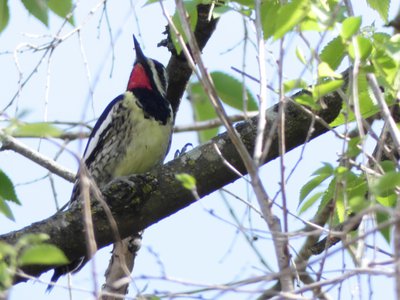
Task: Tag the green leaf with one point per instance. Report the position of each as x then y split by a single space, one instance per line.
368 105
230 90
333 53
42 254
381 6
39 9
327 169
324 70
385 184
6 250
307 100
203 110
31 239
311 185
188 181
388 166
7 191
350 27
191 9
340 208
5 209
387 201
328 195
300 55
353 149
321 175
220 10
269 17
309 202
386 231
386 60
356 186
4 14
364 47
6 276
61 8
357 204
293 84
289 16
39 129
325 88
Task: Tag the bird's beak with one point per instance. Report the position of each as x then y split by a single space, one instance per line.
139 53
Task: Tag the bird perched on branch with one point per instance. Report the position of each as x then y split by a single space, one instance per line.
132 135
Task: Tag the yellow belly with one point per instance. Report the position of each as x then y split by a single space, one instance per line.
149 147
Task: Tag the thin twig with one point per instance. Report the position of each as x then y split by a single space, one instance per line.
10 143
259 190
394 131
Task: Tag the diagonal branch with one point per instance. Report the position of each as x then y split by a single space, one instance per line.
138 202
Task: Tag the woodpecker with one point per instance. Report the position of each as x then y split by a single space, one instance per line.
132 135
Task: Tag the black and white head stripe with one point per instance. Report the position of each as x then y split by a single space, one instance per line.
159 78
155 71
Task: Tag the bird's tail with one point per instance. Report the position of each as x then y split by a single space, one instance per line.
73 267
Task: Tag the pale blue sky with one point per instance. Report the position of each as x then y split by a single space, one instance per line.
193 245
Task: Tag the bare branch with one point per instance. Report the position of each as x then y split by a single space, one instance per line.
10 143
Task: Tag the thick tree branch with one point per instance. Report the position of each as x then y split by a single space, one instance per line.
178 69
138 202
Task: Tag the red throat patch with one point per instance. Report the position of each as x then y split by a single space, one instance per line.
139 78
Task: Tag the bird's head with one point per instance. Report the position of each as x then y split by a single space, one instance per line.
147 73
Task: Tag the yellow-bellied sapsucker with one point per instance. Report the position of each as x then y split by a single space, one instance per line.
132 135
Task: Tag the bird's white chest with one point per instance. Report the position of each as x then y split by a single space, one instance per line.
148 148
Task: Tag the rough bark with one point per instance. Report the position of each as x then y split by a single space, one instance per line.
138 202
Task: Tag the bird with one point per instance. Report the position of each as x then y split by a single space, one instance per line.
131 136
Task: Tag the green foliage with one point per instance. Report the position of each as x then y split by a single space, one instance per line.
61 8
385 231
346 189
39 9
362 45
191 9
7 193
307 100
350 27
4 14
325 70
353 149
326 87
202 109
352 192
187 180
300 55
280 19
38 129
381 6
230 91
30 249
294 84
386 61
42 254
368 105
7 265
386 184
320 176
333 53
